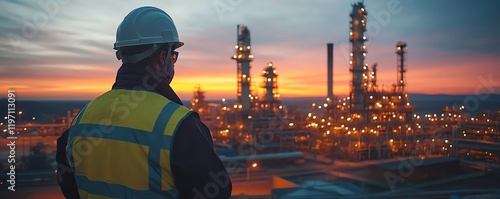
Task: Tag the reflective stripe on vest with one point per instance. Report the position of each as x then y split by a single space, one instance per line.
119 145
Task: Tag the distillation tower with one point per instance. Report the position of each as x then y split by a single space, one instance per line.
243 58
358 68
270 85
401 48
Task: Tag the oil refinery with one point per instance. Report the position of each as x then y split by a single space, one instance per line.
370 123
372 142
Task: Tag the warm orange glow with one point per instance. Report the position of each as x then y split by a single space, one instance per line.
300 75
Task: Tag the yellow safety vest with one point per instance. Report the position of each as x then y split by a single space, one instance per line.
119 145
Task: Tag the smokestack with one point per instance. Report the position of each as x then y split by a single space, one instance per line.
330 70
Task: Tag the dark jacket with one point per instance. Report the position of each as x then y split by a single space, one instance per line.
195 166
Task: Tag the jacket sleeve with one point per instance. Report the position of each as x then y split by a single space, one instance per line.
65 176
198 172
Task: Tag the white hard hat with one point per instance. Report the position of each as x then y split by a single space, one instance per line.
147 25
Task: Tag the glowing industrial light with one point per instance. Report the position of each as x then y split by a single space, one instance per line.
280 107
314 117
325 105
248 47
351 54
291 124
236 46
240 106
349 133
348 119
240 48
250 56
350 33
446 141
362 9
371 96
249 117
350 62
391 140
328 132
319 107
309 115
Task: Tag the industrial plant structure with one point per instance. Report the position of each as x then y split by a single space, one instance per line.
372 122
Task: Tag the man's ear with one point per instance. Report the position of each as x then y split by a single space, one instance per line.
161 57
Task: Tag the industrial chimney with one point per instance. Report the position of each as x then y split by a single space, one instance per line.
330 70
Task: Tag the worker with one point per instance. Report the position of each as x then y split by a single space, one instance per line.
137 140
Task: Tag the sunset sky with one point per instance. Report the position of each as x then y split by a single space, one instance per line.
64 49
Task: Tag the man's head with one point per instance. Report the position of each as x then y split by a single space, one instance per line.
161 60
148 36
